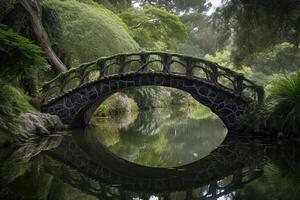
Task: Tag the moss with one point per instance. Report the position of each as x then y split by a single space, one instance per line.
84 31
17 97
13 101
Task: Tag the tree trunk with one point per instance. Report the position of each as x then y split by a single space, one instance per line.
33 9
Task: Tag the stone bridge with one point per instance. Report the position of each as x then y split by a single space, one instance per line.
76 94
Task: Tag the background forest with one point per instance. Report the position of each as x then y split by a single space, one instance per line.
42 38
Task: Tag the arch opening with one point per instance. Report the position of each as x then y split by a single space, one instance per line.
169 129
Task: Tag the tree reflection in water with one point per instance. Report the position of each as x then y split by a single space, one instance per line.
79 166
82 168
163 137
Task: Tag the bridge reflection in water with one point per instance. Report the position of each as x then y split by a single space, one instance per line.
82 162
227 168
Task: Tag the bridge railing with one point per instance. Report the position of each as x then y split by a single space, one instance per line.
145 62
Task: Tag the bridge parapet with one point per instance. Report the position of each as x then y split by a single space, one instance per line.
147 62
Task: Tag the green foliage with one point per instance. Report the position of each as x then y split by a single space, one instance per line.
108 138
254 118
19 56
83 31
201 112
280 58
179 97
12 102
258 25
162 137
148 97
117 5
13 169
154 28
223 58
202 38
116 105
177 6
285 96
111 108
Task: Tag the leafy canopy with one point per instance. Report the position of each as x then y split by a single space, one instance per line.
201 37
154 28
223 58
256 25
280 58
176 6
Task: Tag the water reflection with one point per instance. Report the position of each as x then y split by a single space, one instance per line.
110 165
82 168
163 137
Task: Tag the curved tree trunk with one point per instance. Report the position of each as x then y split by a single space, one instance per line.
33 9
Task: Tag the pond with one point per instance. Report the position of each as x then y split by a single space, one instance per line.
137 157
162 137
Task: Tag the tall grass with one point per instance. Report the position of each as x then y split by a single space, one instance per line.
285 97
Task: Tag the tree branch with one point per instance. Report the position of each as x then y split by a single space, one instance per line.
34 11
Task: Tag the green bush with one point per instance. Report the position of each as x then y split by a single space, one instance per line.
116 105
82 31
111 108
285 98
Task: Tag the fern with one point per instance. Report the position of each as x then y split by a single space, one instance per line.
19 56
285 95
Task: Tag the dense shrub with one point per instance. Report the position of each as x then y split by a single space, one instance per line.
285 98
81 31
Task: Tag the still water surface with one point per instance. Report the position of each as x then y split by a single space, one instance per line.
162 137
152 156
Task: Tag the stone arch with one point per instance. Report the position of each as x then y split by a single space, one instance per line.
77 106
